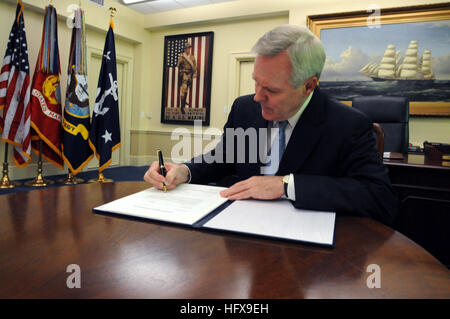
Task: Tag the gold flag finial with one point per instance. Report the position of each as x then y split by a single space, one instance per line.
112 15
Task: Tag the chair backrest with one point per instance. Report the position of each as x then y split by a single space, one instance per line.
392 113
380 138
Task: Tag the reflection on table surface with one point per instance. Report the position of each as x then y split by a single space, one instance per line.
44 231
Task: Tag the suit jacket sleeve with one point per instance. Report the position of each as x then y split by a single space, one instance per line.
361 188
212 166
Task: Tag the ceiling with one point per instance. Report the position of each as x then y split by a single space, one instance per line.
156 6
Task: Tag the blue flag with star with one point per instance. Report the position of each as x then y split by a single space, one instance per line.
104 137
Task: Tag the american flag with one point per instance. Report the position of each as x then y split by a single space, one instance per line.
197 93
15 92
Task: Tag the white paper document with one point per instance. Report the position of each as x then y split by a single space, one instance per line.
188 203
277 219
185 204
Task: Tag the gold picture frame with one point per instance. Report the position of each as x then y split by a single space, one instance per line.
425 13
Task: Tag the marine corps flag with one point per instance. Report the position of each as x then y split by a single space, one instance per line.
76 122
105 131
46 94
15 92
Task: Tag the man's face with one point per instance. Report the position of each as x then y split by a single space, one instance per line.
278 98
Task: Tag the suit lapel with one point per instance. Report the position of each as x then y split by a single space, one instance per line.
305 135
259 123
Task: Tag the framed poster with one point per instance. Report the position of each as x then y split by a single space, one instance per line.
186 89
397 52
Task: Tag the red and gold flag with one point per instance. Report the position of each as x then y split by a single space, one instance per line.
46 108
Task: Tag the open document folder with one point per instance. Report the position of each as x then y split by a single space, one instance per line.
202 206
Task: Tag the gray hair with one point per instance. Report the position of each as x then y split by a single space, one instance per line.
304 49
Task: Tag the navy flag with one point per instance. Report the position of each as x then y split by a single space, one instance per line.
76 123
104 137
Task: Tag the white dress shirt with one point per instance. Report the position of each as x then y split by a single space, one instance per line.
288 132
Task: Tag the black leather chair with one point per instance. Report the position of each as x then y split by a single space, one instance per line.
380 138
392 113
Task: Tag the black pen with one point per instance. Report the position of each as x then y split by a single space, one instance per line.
162 169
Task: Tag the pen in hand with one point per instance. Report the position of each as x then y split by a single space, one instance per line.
162 169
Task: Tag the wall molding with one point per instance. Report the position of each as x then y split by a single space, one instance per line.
169 133
30 171
142 160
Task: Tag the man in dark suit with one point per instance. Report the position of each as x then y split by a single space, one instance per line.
327 158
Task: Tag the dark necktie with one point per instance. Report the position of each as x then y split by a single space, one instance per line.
278 142
281 138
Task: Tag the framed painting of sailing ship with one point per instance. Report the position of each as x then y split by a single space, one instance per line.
394 52
186 90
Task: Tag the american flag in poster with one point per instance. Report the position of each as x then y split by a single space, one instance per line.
198 90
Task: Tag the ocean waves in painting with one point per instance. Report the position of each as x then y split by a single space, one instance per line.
414 90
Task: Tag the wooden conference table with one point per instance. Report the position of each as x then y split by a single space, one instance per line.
44 231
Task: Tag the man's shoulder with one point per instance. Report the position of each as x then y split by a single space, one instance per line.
246 99
246 103
245 112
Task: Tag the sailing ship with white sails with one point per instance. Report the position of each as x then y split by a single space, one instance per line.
393 67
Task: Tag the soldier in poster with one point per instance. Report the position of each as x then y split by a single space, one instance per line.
187 67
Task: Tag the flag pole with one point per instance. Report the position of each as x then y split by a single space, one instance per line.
6 182
39 180
101 178
70 179
45 129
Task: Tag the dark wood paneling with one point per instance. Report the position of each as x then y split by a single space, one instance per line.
423 188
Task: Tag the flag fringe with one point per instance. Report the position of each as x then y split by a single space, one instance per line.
79 168
6 140
22 165
45 139
107 163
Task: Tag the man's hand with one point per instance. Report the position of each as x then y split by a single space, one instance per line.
176 174
257 187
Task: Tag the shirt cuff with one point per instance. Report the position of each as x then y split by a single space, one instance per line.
190 176
291 188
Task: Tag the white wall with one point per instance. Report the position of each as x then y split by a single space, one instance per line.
236 25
